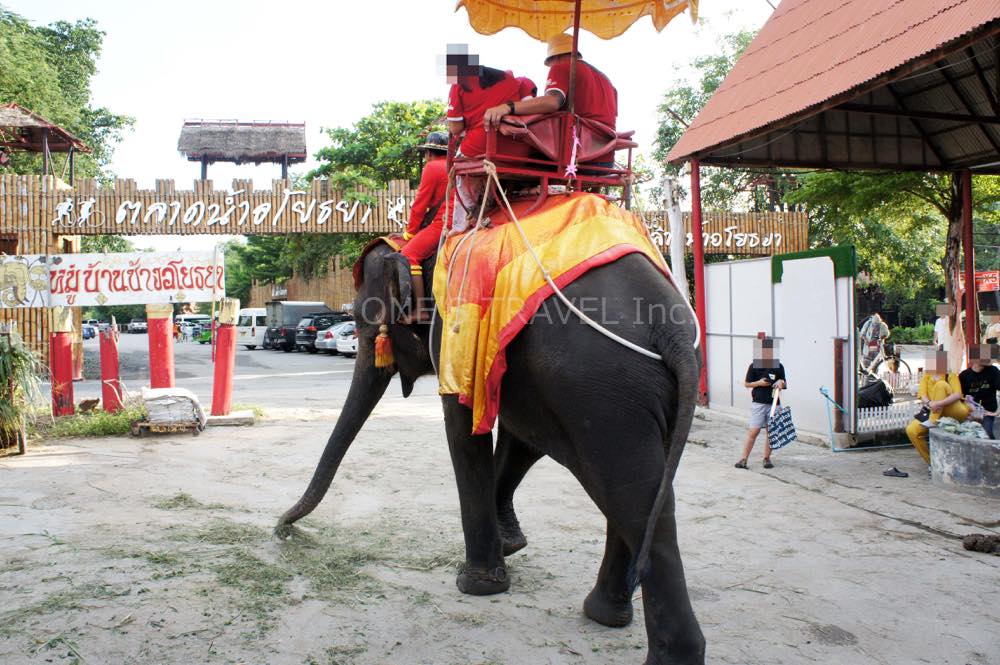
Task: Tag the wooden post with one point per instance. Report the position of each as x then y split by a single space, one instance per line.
971 314
284 167
111 396
838 383
45 150
571 93
225 357
204 168
61 361
159 329
72 176
699 276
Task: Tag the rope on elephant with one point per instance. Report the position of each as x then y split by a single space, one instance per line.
492 172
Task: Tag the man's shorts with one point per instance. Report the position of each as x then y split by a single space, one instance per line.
759 414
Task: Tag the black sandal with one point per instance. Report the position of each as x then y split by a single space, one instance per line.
767 463
742 464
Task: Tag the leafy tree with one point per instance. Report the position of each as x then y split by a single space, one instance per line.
48 70
899 224
378 148
105 244
721 189
381 146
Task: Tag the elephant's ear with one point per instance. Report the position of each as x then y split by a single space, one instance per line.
396 272
407 384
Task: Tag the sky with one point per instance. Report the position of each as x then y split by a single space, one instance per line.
326 63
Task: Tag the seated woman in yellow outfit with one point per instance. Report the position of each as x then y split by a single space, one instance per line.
941 392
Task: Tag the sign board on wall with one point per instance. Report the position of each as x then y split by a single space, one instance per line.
986 280
133 278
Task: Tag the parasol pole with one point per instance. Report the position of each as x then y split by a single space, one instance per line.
572 57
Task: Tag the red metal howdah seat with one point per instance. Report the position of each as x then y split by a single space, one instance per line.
551 137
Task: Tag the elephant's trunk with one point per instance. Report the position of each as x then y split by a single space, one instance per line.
367 387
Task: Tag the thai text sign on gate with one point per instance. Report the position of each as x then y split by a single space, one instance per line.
133 278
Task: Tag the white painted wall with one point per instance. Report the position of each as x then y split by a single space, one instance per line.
806 312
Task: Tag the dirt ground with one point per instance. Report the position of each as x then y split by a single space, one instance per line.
158 550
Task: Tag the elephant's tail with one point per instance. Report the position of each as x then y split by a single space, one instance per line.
679 355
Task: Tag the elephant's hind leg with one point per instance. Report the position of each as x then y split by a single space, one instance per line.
625 493
610 603
513 459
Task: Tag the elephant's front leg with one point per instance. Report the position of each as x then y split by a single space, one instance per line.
472 458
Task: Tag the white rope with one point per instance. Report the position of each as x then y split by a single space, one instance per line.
491 170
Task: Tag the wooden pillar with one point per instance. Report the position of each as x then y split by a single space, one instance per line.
72 176
971 312
284 167
45 150
204 168
699 277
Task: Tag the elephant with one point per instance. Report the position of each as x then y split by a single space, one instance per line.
14 276
616 419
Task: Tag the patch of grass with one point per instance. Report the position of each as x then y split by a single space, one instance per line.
258 411
184 501
95 423
220 531
63 600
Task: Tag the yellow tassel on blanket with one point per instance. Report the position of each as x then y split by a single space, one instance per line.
383 348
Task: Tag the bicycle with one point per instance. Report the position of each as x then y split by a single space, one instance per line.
896 375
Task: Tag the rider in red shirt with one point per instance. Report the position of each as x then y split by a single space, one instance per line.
476 90
594 97
426 217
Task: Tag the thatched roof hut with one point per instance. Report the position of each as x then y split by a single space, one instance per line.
20 129
210 141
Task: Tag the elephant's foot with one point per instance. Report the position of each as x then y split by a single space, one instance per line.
511 535
607 612
480 582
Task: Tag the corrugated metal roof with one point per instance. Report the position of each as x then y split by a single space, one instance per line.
813 51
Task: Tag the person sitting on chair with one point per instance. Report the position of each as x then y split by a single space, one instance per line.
426 218
940 393
475 89
594 96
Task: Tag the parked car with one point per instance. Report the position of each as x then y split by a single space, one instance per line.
251 326
282 317
89 332
309 326
137 326
93 322
326 340
347 340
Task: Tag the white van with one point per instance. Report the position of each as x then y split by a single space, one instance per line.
251 326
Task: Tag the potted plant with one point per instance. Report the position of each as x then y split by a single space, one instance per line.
18 389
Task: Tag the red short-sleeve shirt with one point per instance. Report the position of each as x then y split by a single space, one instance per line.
469 106
595 97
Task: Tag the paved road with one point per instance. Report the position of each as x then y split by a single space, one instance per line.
264 378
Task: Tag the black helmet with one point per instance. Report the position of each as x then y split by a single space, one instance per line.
437 141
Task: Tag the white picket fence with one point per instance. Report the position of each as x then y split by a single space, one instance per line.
886 418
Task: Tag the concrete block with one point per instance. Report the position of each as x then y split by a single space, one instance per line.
965 464
233 419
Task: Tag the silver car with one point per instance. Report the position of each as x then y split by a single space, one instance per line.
326 340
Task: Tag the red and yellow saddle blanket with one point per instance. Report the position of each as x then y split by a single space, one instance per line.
503 286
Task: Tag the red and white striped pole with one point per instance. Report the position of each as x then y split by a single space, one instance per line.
159 328
225 357
61 361
111 395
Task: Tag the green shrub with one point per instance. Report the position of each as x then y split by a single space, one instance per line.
923 334
95 423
